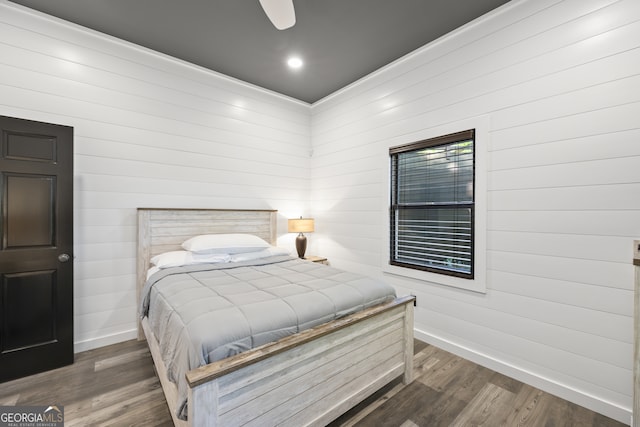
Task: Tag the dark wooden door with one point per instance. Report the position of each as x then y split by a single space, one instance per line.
36 247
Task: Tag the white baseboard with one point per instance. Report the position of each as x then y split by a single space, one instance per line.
90 344
593 403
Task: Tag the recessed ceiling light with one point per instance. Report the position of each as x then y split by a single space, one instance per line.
294 62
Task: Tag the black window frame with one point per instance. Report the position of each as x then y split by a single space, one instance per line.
395 207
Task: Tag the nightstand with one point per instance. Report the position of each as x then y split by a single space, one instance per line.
319 259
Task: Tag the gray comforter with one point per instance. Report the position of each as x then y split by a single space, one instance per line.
208 312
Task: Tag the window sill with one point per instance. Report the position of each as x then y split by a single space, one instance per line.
477 284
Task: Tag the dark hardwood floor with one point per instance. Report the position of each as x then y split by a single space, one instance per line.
117 386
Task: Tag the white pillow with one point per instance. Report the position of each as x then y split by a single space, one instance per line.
224 243
180 258
153 270
248 256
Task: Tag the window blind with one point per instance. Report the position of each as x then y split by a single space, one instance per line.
432 204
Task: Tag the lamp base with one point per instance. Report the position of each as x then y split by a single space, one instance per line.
301 245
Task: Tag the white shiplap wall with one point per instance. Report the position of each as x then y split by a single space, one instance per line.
150 131
557 81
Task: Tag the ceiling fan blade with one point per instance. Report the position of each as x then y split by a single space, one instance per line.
280 12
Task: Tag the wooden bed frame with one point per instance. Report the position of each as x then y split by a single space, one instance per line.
309 378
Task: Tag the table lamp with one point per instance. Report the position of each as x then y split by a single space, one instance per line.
301 225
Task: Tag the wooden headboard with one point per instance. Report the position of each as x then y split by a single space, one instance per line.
162 230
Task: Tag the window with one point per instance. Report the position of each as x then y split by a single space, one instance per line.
433 205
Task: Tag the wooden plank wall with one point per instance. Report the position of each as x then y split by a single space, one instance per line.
150 131
557 84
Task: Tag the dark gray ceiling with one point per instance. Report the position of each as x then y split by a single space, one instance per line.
340 41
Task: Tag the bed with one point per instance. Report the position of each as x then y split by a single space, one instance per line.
306 378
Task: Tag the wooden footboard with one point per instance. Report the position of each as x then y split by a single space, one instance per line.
309 378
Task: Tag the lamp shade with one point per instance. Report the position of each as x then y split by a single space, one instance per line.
301 225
